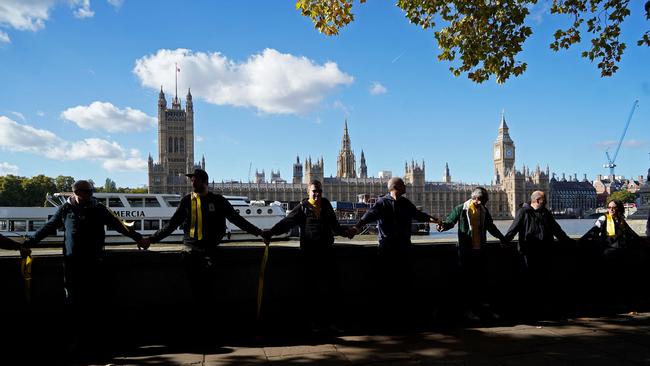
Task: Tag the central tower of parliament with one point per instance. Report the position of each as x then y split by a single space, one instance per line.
509 189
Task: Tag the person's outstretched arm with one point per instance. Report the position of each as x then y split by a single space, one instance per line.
174 222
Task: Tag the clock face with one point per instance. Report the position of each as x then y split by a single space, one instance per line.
509 153
497 153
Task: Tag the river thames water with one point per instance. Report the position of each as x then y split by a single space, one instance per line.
573 227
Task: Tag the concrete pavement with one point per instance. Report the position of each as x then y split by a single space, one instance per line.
611 340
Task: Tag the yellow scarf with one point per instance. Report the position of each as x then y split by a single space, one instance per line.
611 227
196 227
316 205
474 222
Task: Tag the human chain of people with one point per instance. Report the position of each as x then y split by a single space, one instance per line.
202 215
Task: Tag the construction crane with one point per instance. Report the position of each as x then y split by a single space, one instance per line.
612 161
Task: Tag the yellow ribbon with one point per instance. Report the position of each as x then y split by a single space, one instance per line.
611 227
26 270
260 283
474 225
197 217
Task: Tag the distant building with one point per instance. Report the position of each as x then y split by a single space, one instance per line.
571 197
175 147
606 185
385 174
510 189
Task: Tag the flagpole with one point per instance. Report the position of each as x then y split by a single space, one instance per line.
176 78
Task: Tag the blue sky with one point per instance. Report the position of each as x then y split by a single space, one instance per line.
80 81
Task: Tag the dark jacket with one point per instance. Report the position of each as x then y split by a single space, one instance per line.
536 229
624 238
394 219
8 244
215 209
460 215
83 227
315 232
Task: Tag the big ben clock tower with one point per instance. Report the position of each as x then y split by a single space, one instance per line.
504 152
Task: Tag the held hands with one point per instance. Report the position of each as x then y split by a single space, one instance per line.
24 249
439 227
351 232
144 243
24 252
266 236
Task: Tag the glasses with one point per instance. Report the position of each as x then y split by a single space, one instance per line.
612 207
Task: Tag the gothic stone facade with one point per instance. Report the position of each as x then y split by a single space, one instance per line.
509 190
175 147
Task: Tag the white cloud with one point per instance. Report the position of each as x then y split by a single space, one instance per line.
634 143
270 81
200 138
344 108
611 144
105 116
40 113
377 89
84 10
6 168
4 37
116 3
18 114
31 15
539 11
19 137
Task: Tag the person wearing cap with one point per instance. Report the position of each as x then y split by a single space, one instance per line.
83 217
202 216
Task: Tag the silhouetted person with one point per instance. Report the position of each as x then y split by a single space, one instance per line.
83 217
318 225
394 215
202 215
536 229
474 221
616 250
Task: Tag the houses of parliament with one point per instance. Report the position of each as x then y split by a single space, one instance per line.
509 189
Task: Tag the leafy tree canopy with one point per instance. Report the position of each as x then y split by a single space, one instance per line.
486 36
18 191
623 196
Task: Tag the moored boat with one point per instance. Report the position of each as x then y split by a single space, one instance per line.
146 212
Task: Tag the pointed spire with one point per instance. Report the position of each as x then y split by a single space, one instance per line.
189 94
503 125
